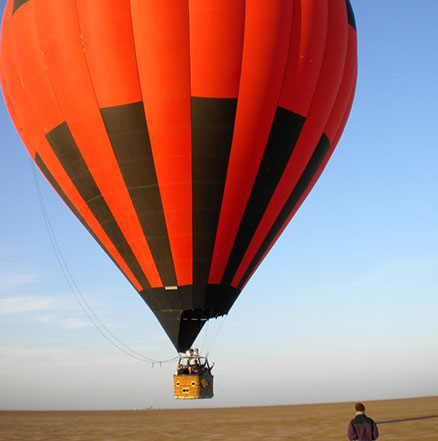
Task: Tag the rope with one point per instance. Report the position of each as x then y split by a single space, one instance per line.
218 330
77 294
214 332
205 329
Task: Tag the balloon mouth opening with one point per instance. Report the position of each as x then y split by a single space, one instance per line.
184 311
191 323
201 314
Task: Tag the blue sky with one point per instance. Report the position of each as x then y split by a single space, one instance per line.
344 308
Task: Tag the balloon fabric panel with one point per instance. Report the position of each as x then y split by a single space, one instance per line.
335 126
324 96
107 247
126 125
61 44
216 45
109 48
212 126
263 64
68 154
33 72
299 189
161 36
285 131
31 130
184 135
13 91
336 120
306 53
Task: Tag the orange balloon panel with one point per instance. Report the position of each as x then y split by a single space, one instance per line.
183 134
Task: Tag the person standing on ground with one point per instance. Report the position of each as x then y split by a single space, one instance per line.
362 428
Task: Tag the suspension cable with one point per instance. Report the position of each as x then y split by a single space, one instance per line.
77 294
217 331
204 340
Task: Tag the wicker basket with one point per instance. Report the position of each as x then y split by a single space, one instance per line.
194 386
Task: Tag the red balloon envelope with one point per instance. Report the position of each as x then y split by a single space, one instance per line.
183 134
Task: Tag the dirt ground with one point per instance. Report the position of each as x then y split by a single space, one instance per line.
413 419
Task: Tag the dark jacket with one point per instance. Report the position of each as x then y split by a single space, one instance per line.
362 428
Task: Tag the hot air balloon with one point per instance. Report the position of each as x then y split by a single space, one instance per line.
183 134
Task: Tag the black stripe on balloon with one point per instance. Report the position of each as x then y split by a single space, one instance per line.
350 13
68 154
212 134
211 300
17 4
302 184
285 131
42 166
128 132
